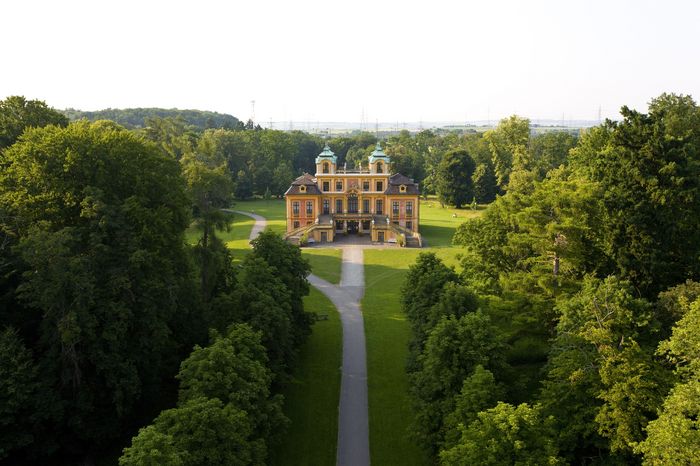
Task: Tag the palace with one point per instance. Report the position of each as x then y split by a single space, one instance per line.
364 201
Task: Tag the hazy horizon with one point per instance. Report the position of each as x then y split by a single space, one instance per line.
353 62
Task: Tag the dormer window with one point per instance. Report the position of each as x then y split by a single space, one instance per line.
402 188
302 189
326 167
380 168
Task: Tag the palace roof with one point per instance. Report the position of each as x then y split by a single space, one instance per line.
397 180
309 185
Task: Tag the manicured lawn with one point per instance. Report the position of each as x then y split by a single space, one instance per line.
437 224
325 262
311 398
273 210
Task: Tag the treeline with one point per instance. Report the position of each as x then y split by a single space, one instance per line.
102 303
570 336
136 118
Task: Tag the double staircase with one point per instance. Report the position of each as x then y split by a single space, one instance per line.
411 239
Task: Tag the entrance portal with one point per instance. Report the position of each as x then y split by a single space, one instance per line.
353 226
380 236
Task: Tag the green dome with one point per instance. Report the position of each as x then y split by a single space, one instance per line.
326 154
378 154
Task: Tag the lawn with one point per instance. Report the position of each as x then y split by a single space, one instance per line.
311 398
235 238
325 262
273 210
438 224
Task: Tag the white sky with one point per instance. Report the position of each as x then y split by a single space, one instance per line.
328 60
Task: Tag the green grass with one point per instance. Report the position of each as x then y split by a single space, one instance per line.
325 263
311 398
236 238
273 210
438 224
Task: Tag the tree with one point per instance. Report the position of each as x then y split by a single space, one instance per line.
99 215
508 144
648 168
233 369
506 435
674 438
200 431
452 351
454 178
292 269
479 393
550 150
18 114
244 186
484 182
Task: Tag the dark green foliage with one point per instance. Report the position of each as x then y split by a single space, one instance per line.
506 434
143 117
200 431
292 270
484 182
549 151
453 181
18 114
648 167
99 216
452 351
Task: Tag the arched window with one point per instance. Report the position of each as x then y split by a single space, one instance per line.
326 168
380 169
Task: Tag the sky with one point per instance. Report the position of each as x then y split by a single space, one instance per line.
330 60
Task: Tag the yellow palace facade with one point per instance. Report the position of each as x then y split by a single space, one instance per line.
371 202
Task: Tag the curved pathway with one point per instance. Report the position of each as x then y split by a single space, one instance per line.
353 420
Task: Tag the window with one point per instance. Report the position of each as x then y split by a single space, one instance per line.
380 207
338 185
365 225
338 206
402 188
380 186
409 208
296 224
309 207
302 189
326 186
365 185
325 167
409 225
326 206
339 225
395 208
295 208
365 206
352 205
380 169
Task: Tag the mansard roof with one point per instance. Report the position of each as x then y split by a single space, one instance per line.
397 180
306 180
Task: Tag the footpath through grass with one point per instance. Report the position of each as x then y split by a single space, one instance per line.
387 333
311 398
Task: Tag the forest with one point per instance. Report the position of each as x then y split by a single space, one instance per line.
570 334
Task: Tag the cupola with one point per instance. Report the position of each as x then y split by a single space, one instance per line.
325 162
379 162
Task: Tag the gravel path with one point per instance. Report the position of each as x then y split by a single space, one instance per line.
353 420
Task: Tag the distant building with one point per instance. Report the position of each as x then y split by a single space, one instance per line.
367 201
